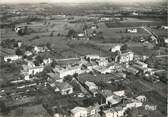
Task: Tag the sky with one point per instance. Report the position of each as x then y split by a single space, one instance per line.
73 1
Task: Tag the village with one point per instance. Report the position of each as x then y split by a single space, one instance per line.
90 70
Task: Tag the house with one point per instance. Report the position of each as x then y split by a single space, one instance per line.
142 69
142 64
132 70
93 110
79 112
26 76
119 93
68 70
121 74
31 69
12 58
126 57
54 77
35 70
132 30
165 41
102 62
141 98
92 57
109 68
110 98
113 112
132 103
63 87
28 53
104 19
81 36
60 112
104 70
115 48
39 49
47 61
88 111
19 44
91 86
19 29
164 27
90 66
135 14
94 27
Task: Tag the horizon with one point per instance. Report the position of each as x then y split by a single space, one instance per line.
78 1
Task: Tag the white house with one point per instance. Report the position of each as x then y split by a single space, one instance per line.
110 98
47 61
79 112
135 14
35 70
17 29
12 58
93 27
91 66
102 62
26 76
115 48
39 49
164 27
133 104
30 69
62 72
119 93
92 57
132 30
91 85
103 70
63 87
166 40
19 44
80 34
104 19
126 57
132 70
142 64
141 98
28 53
113 112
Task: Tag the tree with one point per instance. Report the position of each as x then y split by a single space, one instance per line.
53 64
38 60
19 52
29 48
71 33
124 47
48 45
3 108
52 34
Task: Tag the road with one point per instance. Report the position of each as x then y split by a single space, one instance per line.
151 33
67 59
159 56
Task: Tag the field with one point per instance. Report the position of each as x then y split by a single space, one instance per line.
32 111
134 22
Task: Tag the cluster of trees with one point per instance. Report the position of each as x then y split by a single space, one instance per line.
38 60
71 33
9 43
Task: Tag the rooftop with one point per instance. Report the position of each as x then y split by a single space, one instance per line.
63 85
78 109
